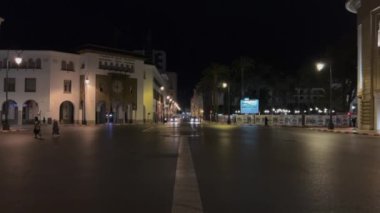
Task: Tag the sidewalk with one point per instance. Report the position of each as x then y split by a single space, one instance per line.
17 128
349 131
29 127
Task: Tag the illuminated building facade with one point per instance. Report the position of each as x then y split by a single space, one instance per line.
97 85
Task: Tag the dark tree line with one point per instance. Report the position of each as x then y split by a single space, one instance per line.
275 87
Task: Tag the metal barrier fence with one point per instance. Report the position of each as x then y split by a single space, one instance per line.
288 120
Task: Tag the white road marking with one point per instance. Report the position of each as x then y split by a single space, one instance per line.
186 197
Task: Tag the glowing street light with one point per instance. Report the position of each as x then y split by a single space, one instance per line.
320 66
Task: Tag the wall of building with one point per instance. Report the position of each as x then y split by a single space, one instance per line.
127 102
49 82
93 96
154 106
368 19
56 84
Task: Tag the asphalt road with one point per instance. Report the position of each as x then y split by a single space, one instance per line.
216 168
258 169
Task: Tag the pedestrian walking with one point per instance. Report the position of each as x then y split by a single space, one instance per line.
353 120
37 128
266 121
55 128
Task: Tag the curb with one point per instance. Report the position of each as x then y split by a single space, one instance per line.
346 132
15 131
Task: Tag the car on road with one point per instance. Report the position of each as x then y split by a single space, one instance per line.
195 120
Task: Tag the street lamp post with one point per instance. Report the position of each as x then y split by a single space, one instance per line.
18 61
320 66
167 102
86 82
228 100
162 88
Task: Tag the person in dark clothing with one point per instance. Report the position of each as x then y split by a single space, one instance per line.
37 128
266 121
55 128
353 120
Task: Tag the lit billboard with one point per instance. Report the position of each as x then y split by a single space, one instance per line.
250 106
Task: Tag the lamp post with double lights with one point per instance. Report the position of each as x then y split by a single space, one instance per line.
320 67
226 85
18 61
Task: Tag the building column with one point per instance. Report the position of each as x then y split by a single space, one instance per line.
377 111
19 117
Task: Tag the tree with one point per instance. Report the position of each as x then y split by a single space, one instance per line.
209 85
242 68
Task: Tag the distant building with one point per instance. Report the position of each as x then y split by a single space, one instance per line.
157 57
308 96
172 84
154 102
368 85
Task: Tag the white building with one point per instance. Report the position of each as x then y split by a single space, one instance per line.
96 85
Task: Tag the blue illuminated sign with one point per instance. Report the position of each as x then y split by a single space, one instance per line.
249 106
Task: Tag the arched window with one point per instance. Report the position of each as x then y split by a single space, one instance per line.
63 65
38 63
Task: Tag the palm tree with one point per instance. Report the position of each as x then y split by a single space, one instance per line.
243 67
210 84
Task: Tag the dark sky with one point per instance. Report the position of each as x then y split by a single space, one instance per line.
194 34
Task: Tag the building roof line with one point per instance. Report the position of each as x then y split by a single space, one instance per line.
103 49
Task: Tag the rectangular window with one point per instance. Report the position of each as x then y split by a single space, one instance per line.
67 86
30 85
10 85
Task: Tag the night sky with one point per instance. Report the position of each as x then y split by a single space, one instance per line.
194 34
